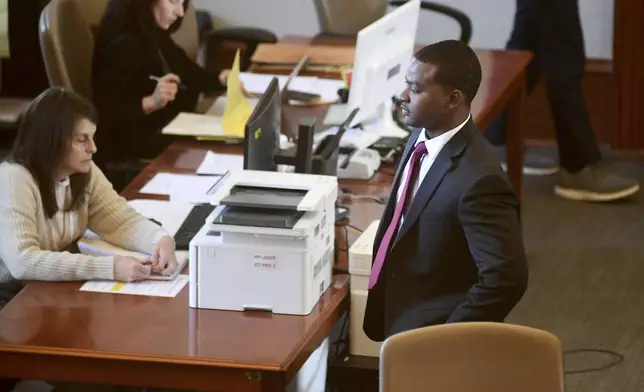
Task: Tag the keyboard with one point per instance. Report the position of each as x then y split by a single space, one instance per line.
191 225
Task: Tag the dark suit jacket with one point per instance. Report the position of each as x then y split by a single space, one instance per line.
459 254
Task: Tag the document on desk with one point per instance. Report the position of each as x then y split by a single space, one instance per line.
196 125
189 188
149 288
238 109
220 164
4 29
170 214
326 88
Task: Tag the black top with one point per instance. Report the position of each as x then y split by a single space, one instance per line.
127 52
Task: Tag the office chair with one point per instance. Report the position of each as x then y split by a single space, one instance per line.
478 356
342 18
67 46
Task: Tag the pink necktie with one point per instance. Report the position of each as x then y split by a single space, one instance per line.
419 151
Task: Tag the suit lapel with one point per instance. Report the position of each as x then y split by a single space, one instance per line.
441 166
391 202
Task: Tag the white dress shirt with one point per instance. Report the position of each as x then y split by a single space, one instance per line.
434 146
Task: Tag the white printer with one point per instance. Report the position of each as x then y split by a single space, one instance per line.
268 244
360 164
360 255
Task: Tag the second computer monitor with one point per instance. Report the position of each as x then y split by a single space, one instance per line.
262 139
383 51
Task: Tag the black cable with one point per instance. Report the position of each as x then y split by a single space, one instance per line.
341 337
618 358
354 228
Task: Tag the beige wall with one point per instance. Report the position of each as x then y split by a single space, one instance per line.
491 19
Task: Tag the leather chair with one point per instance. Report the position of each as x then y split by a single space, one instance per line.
344 18
480 356
67 46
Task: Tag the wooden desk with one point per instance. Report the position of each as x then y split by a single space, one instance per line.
52 331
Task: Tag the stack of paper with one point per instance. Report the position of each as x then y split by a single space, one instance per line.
190 188
149 288
215 163
169 214
230 124
326 88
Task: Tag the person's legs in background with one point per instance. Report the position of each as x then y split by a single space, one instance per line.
523 37
562 59
551 29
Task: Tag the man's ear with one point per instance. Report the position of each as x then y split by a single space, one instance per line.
455 97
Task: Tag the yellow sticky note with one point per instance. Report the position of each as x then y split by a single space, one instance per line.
238 109
4 29
118 286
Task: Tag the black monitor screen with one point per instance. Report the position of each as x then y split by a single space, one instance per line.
262 139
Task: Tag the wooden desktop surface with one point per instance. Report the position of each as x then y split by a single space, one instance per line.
53 331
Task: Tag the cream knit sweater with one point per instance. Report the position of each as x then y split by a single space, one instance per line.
31 243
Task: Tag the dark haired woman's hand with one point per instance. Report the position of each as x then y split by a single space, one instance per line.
164 93
223 79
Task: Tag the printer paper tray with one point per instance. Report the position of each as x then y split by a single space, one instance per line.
258 217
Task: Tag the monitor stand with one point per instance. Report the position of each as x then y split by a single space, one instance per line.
383 123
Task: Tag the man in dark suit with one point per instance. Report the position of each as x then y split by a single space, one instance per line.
449 247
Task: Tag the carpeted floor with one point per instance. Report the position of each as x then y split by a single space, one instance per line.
587 280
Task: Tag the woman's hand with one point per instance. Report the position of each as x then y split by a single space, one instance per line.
130 269
164 260
164 93
223 79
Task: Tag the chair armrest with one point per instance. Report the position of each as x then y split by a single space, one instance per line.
248 37
460 17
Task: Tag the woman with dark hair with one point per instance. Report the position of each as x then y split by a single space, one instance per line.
133 48
52 193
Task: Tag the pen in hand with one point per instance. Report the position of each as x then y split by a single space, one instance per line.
180 86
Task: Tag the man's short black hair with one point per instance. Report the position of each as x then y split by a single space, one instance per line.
457 66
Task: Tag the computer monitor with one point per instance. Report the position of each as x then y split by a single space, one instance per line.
383 51
262 137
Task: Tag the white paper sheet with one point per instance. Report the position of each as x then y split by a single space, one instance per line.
326 88
149 288
194 124
215 163
189 188
258 83
169 214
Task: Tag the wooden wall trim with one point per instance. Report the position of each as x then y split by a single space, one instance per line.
628 62
599 66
